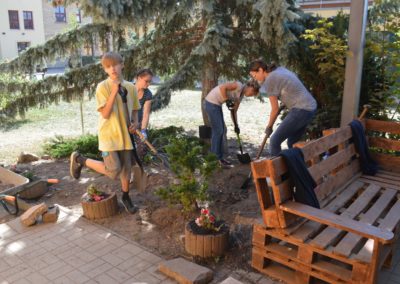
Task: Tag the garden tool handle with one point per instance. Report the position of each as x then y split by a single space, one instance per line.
364 112
141 136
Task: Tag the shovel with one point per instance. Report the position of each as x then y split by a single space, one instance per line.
248 179
153 150
243 158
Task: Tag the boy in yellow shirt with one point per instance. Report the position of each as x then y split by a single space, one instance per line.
114 140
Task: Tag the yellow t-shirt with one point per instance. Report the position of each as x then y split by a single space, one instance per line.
113 132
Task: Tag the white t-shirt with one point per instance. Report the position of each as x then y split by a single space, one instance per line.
215 97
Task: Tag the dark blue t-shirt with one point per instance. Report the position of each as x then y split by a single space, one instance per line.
147 96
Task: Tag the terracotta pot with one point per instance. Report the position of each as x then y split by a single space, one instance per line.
100 209
204 132
206 245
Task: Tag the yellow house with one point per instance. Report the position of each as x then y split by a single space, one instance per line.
21 25
25 23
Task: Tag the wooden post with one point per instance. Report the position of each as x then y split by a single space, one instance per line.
354 60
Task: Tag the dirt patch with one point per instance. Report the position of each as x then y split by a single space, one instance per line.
157 226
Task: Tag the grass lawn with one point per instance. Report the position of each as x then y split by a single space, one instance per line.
29 133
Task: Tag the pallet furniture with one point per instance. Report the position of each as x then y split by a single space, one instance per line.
353 234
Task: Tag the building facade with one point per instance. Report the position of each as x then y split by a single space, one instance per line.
21 26
26 23
326 8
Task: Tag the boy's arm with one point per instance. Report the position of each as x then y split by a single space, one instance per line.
107 108
146 114
227 87
135 119
273 114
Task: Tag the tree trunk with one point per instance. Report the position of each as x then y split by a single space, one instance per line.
209 79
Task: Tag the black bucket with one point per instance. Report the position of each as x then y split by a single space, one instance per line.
204 132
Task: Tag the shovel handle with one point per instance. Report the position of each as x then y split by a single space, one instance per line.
141 136
364 111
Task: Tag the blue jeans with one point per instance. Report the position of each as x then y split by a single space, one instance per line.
291 128
216 118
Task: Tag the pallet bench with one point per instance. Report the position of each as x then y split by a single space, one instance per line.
353 234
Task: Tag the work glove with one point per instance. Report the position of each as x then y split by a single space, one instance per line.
144 133
268 131
237 130
230 104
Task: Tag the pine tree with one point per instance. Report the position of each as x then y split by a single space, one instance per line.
190 40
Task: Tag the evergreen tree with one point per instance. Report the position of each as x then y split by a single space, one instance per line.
189 40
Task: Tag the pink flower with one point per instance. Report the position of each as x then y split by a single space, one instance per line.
205 211
212 219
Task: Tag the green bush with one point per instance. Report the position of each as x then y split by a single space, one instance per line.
192 168
61 147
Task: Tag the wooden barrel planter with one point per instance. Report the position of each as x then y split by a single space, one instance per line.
205 245
100 209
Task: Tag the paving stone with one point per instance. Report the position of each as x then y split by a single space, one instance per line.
104 279
77 277
118 275
28 218
185 271
231 280
51 215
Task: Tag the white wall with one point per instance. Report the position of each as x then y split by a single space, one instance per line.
10 37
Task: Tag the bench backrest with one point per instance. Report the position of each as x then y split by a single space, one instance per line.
331 160
384 142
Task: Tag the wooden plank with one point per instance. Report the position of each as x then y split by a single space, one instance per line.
383 126
390 221
329 234
323 144
332 162
391 183
390 173
379 183
259 169
264 198
388 162
277 167
308 229
350 241
332 269
384 143
337 221
333 185
277 233
389 177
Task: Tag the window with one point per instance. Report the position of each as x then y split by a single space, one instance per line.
78 15
28 20
59 12
13 19
22 45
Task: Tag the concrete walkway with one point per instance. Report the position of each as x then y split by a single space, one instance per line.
72 251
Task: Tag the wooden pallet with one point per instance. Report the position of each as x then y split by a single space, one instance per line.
284 257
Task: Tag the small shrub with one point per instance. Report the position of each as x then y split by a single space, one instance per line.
192 168
61 147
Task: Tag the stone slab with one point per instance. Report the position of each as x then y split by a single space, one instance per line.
231 280
186 272
28 218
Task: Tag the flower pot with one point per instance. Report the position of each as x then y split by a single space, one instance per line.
100 209
204 132
205 245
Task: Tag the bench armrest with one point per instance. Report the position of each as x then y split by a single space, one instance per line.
337 221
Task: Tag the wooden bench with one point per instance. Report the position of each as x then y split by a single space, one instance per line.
353 234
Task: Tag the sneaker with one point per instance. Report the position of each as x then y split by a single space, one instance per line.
224 164
128 205
75 168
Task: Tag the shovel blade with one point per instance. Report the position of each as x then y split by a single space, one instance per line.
244 158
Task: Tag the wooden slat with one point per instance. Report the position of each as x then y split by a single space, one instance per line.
388 176
380 183
384 143
259 169
393 183
329 234
390 173
390 221
388 162
383 126
332 162
277 167
333 185
321 145
285 191
337 221
304 232
350 241
330 268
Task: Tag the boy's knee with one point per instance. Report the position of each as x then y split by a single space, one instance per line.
114 172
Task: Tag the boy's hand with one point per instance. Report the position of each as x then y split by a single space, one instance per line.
133 127
114 88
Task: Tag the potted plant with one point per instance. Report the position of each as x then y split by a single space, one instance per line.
97 204
206 236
